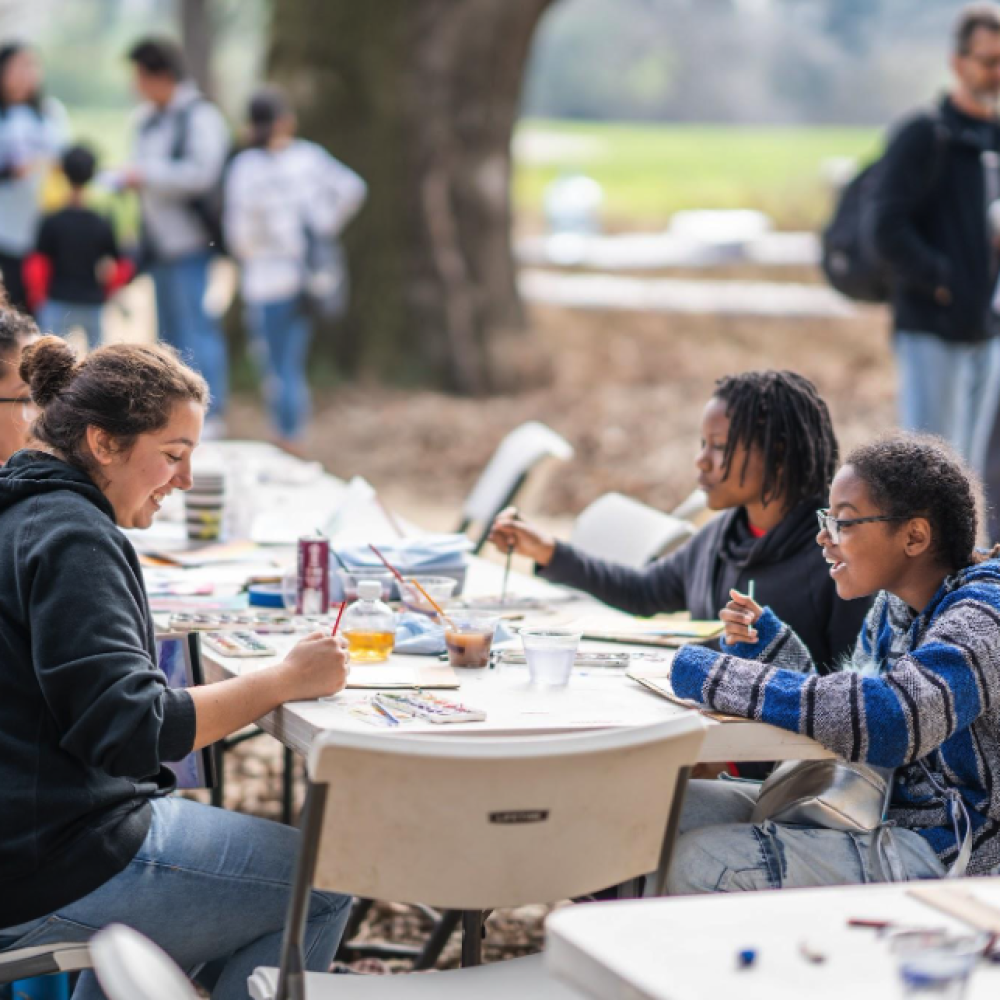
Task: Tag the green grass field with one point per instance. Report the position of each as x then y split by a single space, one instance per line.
649 172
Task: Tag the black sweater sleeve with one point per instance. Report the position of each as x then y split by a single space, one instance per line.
87 612
901 186
659 587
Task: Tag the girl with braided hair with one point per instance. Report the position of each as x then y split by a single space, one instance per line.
920 694
767 456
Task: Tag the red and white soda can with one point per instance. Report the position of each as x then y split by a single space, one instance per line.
314 575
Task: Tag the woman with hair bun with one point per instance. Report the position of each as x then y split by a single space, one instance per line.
90 832
919 695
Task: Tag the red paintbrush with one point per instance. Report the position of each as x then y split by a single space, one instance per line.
340 614
399 576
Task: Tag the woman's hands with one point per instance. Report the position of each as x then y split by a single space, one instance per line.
510 532
739 616
316 667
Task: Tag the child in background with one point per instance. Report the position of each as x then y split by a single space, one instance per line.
76 265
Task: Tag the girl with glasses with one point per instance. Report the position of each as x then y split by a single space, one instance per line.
16 408
766 459
918 695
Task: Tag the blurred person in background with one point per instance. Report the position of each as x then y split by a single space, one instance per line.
17 411
931 226
180 149
283 195
76 264
32 133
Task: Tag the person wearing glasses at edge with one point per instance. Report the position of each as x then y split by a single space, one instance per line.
768 453
16 408
919 695
90 831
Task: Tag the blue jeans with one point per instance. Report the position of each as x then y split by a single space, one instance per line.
62 317
280 333
949 389
180 291
206 885
720 850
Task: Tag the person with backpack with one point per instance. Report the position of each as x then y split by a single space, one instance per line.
284 198
181 146
930 225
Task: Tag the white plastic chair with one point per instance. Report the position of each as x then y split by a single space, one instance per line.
623 530
691 506
506 472
461 823
43 960
477 823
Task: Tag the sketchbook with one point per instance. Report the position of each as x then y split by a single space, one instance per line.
660 684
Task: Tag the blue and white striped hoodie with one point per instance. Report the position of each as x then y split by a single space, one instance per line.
918 687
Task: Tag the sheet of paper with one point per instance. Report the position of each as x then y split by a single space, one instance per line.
647 632
375 676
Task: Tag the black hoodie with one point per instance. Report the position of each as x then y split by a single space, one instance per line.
85 716
787 566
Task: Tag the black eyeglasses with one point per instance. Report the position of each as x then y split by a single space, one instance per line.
832 525
23 400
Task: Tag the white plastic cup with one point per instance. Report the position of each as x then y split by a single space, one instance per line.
549 653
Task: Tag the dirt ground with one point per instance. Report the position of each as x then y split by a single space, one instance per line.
627 393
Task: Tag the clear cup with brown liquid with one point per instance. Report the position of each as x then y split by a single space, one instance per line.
470 640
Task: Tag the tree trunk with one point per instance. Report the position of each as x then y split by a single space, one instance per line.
420 97
197 38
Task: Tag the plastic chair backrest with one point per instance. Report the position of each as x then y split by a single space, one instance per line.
478 823
623 530
131 967
513 459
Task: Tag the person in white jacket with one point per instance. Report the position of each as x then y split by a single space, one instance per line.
282 195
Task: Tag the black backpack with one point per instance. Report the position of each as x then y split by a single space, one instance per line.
849 259
207 207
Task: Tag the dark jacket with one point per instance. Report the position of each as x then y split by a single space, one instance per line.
85 716
786 565
930 223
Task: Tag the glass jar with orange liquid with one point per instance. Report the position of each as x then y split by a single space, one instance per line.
369 625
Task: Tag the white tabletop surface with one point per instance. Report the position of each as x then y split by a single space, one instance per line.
292 497
686 948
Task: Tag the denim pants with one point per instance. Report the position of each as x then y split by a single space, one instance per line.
280 332
61 318
180 311
949 389
208 886
720 850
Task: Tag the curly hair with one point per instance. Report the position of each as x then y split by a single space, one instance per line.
16 329
782 414
123 389
916 475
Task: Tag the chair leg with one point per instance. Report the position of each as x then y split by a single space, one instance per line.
219 788
288 787
473 932
439 937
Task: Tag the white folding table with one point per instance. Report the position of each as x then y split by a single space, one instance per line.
687 947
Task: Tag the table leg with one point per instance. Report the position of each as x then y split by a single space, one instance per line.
472 938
